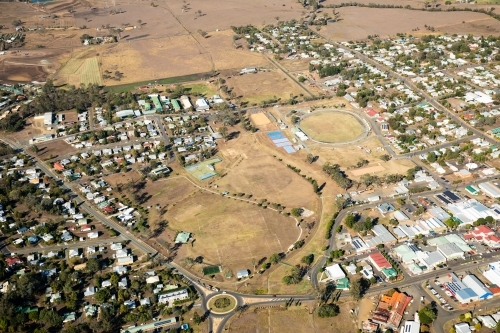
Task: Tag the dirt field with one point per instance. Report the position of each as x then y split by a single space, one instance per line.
332 127
261 86
276 320
259 119
36 65
212 219
54 149
357 23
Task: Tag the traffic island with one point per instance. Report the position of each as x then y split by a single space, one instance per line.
222 304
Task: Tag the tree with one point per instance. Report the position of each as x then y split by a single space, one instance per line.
196 318
102 295
296 212
93 266
275 258
431 157
427 315
34 149
328 310
350 219
224 132
139 22
17 22
385 157
498 327
358 288
202 33
308 260
310 158
50 317
301 79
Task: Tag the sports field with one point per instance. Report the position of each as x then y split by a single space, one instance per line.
205 169
332 127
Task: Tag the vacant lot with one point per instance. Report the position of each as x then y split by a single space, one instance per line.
213 220
332 127
252 170
54 149
262 86
276 320
358 23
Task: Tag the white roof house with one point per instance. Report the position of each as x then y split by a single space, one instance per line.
400 216
488 321
462 328
410 326
335 272
173 296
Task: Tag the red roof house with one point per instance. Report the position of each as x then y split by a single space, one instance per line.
58 166
13 261
371 112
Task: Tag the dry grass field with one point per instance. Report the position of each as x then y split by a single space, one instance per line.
277 320
155 59
332 127
357 23
253 170
213 220
351 154
261 86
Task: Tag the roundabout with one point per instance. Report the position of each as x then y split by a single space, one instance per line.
334 127
222 304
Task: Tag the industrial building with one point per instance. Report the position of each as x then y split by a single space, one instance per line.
462 293
335 272
477 286
468 211
490 189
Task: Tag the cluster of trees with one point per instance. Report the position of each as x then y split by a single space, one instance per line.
295 275
314 182
329 226
337 175
354 222
427 314
358 288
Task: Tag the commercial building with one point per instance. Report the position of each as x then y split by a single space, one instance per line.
382 236
477 286
450 251
493 273
335 272
485 235
468 211
379 261
411 326
490 189
390 309
463 293
171 297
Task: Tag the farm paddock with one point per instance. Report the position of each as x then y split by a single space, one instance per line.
262 86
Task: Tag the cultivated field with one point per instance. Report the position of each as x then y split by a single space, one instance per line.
262 86
83 67
277 320
213 220
332 127
357 23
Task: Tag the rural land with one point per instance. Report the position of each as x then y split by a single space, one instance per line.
249 166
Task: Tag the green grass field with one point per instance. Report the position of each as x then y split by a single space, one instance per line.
200 89
211 270
332 127
170 80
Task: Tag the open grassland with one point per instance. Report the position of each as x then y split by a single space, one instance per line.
203 89
349 155
277 320
229 232
253 170
357 23
262 86
332 127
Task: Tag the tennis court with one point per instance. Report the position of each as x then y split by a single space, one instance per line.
211 270
279 139
205 169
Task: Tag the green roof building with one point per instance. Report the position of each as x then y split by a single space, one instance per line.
495 131
342 284
182 237
472 189
389 272
176 105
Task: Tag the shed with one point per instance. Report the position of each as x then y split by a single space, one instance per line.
182 237
243 273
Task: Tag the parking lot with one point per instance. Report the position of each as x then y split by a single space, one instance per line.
442 296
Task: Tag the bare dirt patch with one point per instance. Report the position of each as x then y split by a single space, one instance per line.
261 86
54 149
357 23
259 119
332 127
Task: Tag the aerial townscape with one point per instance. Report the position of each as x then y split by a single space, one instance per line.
249 166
